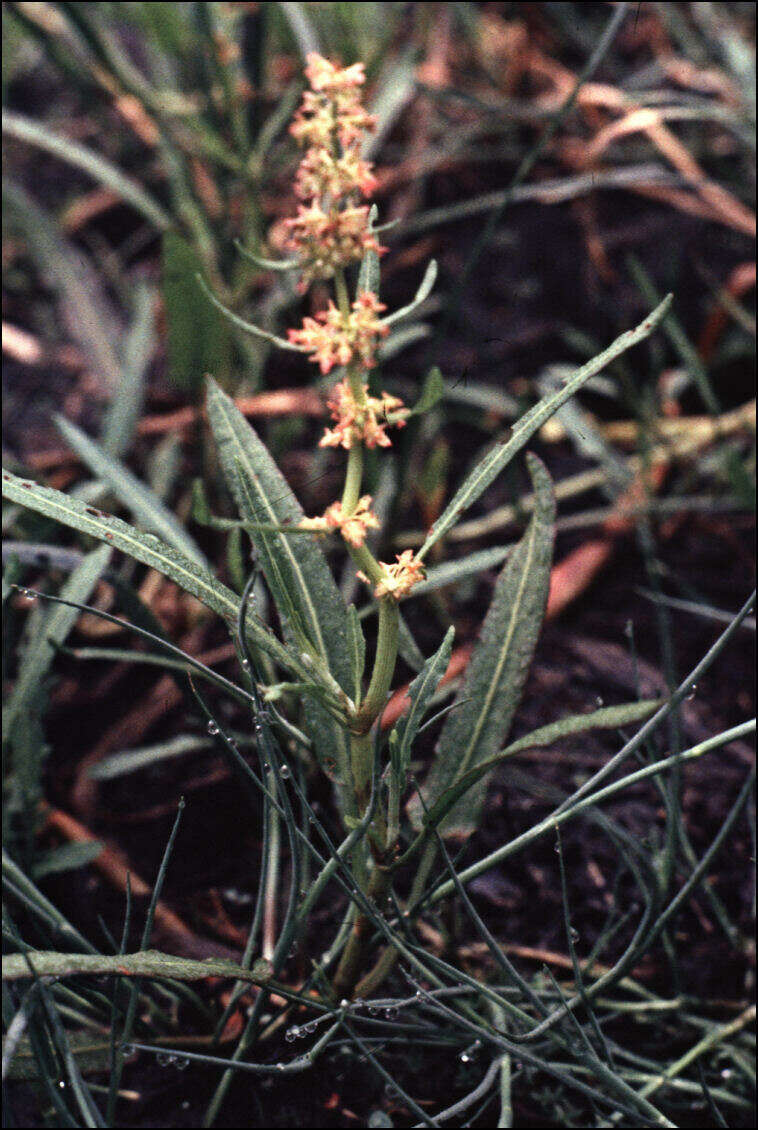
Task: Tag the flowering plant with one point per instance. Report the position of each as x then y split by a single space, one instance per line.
322 648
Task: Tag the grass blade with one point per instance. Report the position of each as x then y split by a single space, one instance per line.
53 629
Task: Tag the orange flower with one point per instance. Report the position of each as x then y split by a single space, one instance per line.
323 75
356 422
325 241
332 232
399 578
353 526
335 340
322 174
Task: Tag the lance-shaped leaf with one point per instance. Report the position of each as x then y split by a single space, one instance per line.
499 664
524 428
148 549
421 295
419 693
369 273
51 631
296 570
145 963
248 327
606 718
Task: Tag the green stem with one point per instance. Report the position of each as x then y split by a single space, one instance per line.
353 478
384 665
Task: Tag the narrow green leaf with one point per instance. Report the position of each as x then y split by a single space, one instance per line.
148 549
369 273
500 662
607 718
450 572
499 457
423 292
198 341
145 963
406 644
68 857
124 411
95 165
146 507
88 316
240 323
267 264
52 629
131 760
420 692
296 570
431 393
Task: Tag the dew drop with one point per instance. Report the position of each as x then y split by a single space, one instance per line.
599 700
465 1057
292 1034
212 727
691 693
574 934
181 1063
285 771
391 1013
62 1084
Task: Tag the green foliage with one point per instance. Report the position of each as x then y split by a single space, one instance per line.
196 336
315 669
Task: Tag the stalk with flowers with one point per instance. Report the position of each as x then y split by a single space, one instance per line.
332 232
322 648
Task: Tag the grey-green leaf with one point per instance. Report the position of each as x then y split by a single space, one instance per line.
420 692
607 718
295 568
148 549
368 275
524 428
52 630
357 645
146 507
421 295
497 671
90 162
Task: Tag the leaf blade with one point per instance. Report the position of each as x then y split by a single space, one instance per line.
497 670
495 460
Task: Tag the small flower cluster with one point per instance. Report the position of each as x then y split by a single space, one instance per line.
399 578
353 526
360 423
334 340
330 229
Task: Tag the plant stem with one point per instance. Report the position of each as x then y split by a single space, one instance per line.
384 665
353 477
